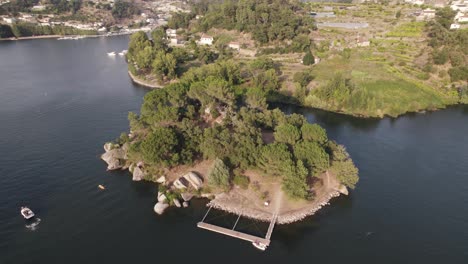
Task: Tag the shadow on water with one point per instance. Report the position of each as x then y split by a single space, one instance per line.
295 234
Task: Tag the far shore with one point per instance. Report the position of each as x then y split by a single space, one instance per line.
31 37
61 36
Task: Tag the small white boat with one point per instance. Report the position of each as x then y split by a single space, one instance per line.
259 245
112 53
26 212
123 52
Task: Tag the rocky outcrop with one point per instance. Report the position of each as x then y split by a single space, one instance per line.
187 196
343 190
176 202
138 174
181 183
160 207
161 180
114 157
194 180
185 204
162 197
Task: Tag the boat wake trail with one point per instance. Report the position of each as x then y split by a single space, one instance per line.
33 225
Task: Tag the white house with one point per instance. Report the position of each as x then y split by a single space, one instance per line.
426 14
362 42
38 8
171 33
176 41
206 40
415 2
454 26
461 17
9 20
234 45
459 6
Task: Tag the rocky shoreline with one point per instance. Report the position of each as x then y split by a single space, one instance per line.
180 191
144 83
284 218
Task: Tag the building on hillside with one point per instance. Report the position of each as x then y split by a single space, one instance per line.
415 2
9 20
171 33
206 40
234 45
461 17
38 8
426 14
362 42
176 41
322 14
459 6
454 26
440 3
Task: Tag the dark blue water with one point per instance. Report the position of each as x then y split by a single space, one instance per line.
61 100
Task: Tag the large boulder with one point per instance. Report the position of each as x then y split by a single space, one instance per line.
195 180
185 204
108 146
161 179
138 174
161 197
114 158
187 196
343 190
176 202
181 183
160 207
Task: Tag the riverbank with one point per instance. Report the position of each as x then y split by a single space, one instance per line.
143 82
32 37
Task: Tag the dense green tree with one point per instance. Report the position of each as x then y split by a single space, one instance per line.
314 132
287 133
295 182
308 58
180 20
342 166
444 16
303 78
122 9
160 41
164 65
157 108
440 57
256 98
219 174
160 147
138 42
274 159
216 143
313 155
5 31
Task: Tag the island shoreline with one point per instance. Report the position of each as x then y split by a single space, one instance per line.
143 83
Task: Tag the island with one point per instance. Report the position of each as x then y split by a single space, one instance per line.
199 137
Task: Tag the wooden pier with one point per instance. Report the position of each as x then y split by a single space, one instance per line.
233 233
259 242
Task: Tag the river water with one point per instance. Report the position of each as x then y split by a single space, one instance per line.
61 100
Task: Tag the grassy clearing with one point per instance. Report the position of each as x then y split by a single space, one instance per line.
380 90
408 30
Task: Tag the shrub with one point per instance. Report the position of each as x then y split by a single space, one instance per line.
241 181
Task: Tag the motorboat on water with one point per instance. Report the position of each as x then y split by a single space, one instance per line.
112 53
123 52
26 212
